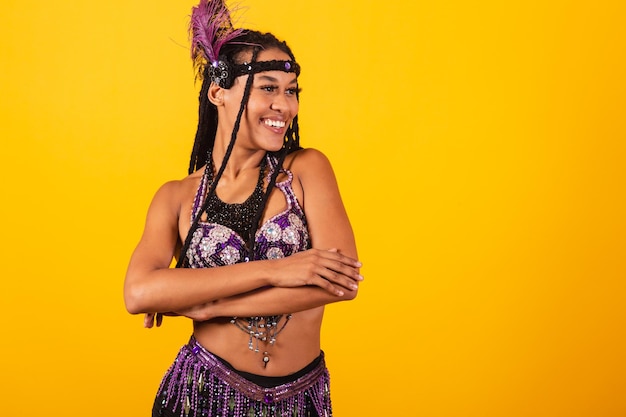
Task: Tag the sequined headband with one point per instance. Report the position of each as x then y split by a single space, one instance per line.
223 73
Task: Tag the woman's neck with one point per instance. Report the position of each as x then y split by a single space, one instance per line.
239 160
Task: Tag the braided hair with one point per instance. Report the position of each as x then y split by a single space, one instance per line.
233 52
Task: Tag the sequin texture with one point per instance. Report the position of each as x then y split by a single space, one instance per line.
198 384
217 242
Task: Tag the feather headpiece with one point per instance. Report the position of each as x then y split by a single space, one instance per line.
210 28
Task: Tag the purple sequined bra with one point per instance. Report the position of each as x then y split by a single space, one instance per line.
282 235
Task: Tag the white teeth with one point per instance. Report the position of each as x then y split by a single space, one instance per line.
274 123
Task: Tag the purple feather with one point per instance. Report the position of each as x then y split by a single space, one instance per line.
210 29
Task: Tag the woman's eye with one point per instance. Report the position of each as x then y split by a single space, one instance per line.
293 91
269 88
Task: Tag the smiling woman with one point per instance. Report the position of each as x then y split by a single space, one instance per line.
262 243
273 102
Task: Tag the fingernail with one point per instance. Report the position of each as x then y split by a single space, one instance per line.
359 264
340 293
360 278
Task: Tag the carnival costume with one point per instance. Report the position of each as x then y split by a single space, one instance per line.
199 383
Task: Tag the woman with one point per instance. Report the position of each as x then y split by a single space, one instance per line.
261 236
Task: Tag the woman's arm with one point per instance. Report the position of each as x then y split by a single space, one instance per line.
151 285
329 226
329 229
266 302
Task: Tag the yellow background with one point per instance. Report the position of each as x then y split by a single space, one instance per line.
480 150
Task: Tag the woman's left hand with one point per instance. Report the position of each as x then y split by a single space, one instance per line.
200 312
149 320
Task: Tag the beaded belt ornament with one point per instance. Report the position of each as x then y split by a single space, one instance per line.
198 384
264 329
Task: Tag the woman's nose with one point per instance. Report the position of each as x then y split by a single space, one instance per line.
279 102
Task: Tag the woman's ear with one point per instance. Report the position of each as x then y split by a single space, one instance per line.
216 94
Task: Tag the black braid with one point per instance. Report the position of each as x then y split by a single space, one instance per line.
292 136
207 126
259 213
229 150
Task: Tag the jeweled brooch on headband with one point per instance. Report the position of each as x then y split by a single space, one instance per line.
223 74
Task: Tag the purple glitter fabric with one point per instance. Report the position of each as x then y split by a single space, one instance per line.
198 384
217 245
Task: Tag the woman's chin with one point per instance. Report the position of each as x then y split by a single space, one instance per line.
274 146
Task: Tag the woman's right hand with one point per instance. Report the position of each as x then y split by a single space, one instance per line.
327 269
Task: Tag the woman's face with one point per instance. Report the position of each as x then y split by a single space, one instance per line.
271 107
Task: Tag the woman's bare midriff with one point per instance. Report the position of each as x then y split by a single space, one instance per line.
295 347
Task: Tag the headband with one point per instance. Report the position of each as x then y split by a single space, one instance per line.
211 28
223 73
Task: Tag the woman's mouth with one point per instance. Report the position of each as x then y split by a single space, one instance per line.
274 123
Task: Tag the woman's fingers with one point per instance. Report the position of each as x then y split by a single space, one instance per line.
346 279
327 269
338 272
148 320
343 267
333 289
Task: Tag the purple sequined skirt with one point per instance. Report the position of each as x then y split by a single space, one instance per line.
198 384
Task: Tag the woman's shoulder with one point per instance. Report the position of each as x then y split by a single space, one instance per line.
173 192
306 160
311 169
